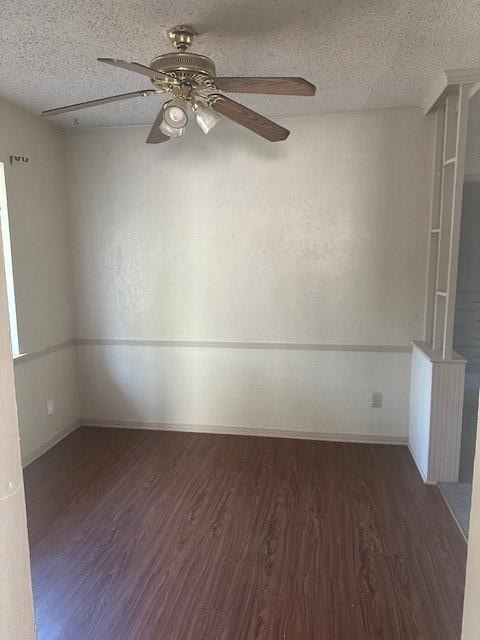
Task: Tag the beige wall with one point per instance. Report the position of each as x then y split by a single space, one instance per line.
39 232
227 238
38 224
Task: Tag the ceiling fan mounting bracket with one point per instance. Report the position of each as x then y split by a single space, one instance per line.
181 36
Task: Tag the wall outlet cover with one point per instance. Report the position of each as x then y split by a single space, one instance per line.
377 400
50 407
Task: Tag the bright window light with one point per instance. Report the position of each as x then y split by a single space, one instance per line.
7 254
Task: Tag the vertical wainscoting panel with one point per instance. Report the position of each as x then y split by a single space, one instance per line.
446 431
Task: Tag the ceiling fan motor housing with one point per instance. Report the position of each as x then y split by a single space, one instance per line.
186 66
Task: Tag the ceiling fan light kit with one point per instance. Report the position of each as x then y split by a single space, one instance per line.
171 132
191 80
205 116
175 113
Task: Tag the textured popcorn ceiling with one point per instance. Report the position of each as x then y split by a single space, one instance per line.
360 54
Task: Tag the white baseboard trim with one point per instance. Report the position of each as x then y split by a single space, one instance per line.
423 476
245 431
26 460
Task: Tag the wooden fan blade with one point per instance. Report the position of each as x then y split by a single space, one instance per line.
248 118
136 67
155 136
94 103
278 86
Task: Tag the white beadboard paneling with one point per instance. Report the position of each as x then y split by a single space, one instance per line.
446 421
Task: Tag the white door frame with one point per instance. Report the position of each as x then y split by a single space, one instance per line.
16 600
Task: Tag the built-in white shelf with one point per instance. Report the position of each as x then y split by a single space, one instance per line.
444 233
450 161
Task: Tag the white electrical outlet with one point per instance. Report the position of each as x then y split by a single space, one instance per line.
377 400
50 407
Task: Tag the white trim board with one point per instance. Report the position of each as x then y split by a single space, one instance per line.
446 79
419 468
264 432
39 451
210 344
217 344
40 353
261 432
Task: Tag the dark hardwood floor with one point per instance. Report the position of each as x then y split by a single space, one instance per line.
142 535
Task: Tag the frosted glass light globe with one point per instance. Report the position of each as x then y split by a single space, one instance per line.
175 116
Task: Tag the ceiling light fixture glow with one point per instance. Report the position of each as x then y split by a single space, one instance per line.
206 117
171 132
175 113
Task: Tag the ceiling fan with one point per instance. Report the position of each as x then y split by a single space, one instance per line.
191 80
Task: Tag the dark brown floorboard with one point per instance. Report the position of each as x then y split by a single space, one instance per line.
142 535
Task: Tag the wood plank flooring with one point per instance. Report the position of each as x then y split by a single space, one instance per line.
143 535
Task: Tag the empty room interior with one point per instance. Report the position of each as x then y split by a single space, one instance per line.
240 320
